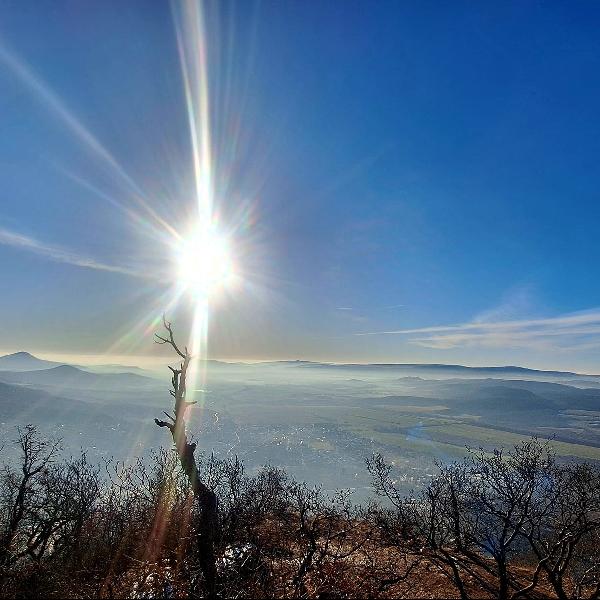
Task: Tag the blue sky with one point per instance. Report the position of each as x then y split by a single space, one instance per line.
423 173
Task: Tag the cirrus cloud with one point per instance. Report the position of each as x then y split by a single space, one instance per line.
60 254
567 331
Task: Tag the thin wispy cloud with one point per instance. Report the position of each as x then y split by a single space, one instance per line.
59 254
573 330
372 309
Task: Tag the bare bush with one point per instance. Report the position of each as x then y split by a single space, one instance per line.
509 525
506 524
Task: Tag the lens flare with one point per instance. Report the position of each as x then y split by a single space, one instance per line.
204 262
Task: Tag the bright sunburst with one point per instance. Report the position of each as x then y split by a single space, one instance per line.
204 262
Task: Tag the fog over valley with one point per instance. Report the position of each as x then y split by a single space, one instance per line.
318 421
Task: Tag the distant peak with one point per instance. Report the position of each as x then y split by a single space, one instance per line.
66 368
23 361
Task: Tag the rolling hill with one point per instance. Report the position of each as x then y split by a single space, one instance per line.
71 377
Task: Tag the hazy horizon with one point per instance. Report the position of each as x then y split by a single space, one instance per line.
157 361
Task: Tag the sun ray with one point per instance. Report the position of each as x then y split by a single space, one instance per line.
56 106
190 33
191 44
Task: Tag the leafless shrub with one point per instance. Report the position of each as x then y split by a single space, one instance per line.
508 525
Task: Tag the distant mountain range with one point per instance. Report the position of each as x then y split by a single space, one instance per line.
427 368
25 369
71 377
431 369
112 369
23 361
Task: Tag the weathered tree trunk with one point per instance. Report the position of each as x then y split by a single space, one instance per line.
206 498
207 540
209 517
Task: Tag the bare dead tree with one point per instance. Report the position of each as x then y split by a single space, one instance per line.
37 456
205 496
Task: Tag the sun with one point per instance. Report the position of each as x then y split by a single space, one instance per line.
204 262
